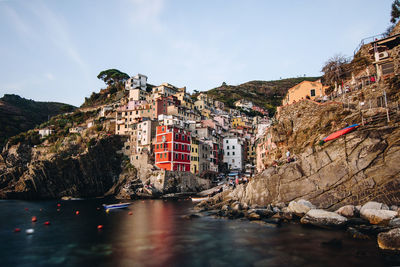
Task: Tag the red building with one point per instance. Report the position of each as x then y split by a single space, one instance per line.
162 103
172 149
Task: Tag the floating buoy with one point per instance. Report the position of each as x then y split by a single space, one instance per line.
130 213
107 210
58 205
17 230
99 226
77 212
47 223
26 209
29 231
34 219
58 209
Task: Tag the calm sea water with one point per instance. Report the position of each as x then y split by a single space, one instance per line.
157 235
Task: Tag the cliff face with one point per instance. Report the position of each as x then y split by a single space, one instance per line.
359 167
87 174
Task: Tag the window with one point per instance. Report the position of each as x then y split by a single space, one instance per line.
187 157
233 153
188 138
233 147
165 155
176 146
157 146
227 147
227 153
177 136
161 146
387 68
233 160
160 156
162 129
227 141
176 156
312 92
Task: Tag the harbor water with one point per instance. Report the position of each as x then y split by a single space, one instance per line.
156 233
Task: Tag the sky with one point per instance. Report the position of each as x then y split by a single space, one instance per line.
53 50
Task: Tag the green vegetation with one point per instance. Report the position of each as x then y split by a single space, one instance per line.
115 90
395 13
113 76
265 94
18 115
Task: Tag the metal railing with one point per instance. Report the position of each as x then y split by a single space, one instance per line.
369 40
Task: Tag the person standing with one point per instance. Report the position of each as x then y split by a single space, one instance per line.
288 156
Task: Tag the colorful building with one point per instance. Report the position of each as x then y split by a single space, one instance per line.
194 156
172 148
303 90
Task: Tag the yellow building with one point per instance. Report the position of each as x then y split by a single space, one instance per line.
251 152
194 156
237 121
304 90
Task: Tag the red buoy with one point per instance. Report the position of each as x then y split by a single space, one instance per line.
17 230
77 212
26 209
130 213
99 226
58 205
34 219
47 223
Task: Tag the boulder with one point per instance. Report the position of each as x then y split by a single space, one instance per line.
394 222
300 207
253 216
394 207
373 205
347 211
323 218
375 216
390 240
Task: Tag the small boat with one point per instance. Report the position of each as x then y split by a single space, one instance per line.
340 132
199 199
116 206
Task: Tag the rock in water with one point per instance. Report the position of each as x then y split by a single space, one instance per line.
373 205
323 218
300 207
375 216
390 240
346 211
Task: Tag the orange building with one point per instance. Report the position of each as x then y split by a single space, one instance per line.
172 148
303 90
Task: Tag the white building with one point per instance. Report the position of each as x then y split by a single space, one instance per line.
138 81
45 132
233 153
242 103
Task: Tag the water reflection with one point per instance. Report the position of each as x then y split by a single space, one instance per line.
157 235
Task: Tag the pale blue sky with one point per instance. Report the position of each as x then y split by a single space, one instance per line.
52 50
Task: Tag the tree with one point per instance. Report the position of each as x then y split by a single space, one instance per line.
335 69
113 76
395 13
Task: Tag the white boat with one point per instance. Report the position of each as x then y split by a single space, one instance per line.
116 206
199 199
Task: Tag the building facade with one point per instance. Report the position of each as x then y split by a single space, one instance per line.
172 148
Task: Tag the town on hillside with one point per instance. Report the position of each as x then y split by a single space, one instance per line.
172 130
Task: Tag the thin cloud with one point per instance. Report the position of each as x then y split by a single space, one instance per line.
58 33
147 12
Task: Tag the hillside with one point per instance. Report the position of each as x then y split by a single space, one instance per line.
18 114
266 94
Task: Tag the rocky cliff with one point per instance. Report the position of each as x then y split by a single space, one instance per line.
28 173
354 169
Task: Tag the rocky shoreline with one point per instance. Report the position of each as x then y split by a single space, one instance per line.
369 221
